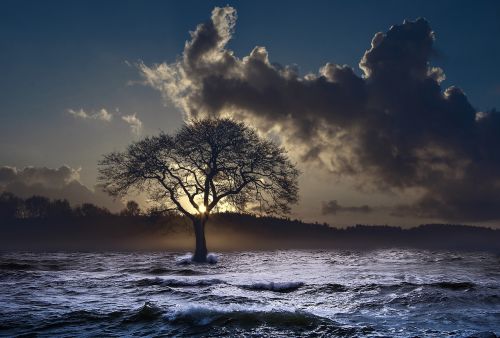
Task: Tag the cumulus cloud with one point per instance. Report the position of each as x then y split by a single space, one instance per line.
333 207
395 127
134 123
102 114
63 183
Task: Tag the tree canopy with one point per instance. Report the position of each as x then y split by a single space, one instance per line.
206 163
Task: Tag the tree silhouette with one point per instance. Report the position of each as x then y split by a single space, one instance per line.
37 206
131 209
10 206
91 210
206 166
60 209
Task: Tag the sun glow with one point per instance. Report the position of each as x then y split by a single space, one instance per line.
202 208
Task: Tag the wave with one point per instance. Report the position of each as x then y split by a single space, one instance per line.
80 317
329 288
180 272
147 312
443 259
188 259
284 287
16 266
211 318
177 282
199 315
274 286
184 259
455 286
226 299
158 270
259 322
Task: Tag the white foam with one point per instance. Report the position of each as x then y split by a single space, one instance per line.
188 259
184 259
205 314
212 258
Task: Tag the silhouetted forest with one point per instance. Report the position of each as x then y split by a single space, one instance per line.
38 223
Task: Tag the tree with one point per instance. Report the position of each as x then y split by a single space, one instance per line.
10 206
60 209
208 165
131 209
37 206
91 210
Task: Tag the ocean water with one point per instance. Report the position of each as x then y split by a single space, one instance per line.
381 293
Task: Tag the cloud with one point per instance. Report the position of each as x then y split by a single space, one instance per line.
333 207
393 128
56 178
63 183
134 123
102 114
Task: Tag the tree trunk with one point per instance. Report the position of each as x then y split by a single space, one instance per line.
200 254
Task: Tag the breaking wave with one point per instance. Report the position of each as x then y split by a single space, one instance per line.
198 315
261 294
147 312
177 282
177 272
274 286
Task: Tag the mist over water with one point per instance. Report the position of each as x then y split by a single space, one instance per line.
396 293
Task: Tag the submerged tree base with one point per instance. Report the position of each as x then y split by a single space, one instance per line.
199 259
208 259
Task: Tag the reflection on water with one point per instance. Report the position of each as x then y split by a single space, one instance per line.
396 293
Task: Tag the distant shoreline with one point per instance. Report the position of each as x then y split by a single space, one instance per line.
231 232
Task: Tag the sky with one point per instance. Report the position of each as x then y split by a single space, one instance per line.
392 142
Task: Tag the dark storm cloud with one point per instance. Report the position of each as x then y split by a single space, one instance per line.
395 127
55 178
62 183
333 207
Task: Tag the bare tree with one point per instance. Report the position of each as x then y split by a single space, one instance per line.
207 166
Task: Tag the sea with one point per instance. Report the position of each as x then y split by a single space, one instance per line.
288 293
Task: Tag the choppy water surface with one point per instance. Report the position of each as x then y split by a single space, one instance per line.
395 293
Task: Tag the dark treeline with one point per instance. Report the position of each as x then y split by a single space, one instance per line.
40 207
253 232
38 223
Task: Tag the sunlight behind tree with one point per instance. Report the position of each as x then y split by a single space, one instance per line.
209 163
